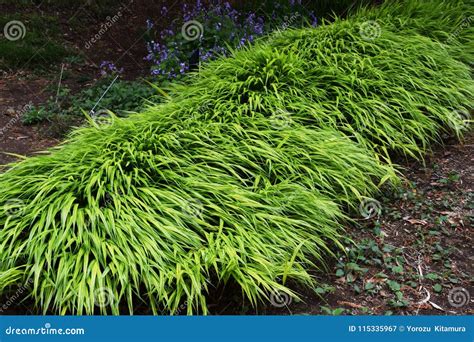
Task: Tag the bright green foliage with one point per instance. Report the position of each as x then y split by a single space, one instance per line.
242 176
450 23
395 92
169 211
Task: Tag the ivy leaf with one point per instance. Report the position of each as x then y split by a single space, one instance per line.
431 276
393 285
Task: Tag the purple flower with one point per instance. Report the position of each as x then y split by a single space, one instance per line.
149 24
183 68
314 19
107 67
242 42
227 25
199 5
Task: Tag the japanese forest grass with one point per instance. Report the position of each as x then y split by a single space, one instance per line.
448 23
396 93
242 176
136 206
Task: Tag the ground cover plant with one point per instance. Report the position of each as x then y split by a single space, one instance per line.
36 47
245 175
122 98
169 52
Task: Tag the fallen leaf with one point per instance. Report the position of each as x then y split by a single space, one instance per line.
352 305
416 221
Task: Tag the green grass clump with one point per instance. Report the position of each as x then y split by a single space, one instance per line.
396 92
165 211
244 175
449 23
37 44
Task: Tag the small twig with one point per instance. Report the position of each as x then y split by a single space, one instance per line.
59 83
428 297
420 272
436 306
105 92
424 301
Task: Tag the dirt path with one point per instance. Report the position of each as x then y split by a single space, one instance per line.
15 97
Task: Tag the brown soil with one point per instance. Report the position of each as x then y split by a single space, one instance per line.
15 96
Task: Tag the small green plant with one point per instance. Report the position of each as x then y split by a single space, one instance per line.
399 301
323 289
333 312
452 177
121 98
